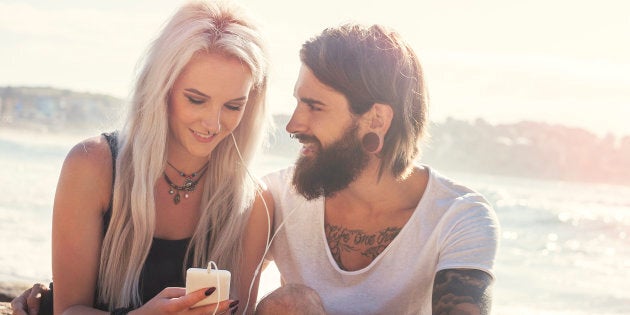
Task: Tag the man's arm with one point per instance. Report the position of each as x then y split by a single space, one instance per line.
462 292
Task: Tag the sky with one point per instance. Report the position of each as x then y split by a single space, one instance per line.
556 61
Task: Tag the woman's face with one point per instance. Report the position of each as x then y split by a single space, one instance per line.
206 103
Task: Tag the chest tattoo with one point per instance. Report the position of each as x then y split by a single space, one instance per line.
351 241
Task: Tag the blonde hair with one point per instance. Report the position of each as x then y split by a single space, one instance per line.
227 191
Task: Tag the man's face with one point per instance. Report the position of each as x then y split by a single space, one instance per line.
332 156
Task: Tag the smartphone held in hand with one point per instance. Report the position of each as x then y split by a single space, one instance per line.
200 278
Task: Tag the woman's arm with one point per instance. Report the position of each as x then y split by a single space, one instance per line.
83 195
257 231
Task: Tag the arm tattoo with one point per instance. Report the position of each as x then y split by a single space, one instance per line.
341 239
461 292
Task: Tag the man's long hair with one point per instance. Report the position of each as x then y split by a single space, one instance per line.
375 65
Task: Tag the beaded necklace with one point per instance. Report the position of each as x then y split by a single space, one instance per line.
189 182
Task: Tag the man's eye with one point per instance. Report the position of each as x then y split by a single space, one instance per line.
313 107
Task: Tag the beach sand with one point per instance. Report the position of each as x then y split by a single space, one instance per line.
9 290
5 308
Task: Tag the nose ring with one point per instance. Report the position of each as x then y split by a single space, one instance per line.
218 131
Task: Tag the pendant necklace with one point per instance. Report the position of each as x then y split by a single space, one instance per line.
190 183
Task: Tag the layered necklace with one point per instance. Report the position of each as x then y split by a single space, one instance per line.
190 183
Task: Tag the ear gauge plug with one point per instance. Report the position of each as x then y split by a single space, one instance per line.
371 141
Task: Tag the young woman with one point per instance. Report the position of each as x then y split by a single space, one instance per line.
134 209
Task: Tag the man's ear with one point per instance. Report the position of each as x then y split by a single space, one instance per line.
377 122
381 116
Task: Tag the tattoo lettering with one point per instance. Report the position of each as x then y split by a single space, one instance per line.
341 239
461 292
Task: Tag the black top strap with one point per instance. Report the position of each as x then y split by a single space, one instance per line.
112 140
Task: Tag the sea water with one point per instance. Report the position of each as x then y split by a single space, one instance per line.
565 247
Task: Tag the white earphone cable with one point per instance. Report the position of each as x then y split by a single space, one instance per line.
269 240
210 265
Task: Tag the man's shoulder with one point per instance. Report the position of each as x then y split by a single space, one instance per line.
450 194
279 179
448 186
280 173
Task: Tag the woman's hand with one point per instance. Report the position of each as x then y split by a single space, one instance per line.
29 301
176 301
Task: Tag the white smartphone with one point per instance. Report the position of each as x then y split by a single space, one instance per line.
199 278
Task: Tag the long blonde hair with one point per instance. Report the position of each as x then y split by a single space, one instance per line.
227 190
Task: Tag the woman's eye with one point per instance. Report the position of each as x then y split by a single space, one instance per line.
234 107
194 100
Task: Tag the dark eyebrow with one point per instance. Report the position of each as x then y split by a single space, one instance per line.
311 101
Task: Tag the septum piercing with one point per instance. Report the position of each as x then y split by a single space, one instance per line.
210 132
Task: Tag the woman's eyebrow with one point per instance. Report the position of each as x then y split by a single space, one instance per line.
242 98
197 92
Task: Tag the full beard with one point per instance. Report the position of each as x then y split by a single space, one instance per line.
332 169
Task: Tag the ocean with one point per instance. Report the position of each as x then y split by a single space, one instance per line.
565 247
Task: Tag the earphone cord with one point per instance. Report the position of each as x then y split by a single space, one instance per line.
210 264
269 240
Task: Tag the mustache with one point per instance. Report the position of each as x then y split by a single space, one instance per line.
303 138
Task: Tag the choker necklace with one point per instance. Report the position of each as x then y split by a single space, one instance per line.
189 183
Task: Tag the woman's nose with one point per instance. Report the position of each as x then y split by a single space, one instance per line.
212 120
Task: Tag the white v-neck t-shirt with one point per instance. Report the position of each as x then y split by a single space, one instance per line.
452 227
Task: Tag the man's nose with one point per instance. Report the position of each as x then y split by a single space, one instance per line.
299 121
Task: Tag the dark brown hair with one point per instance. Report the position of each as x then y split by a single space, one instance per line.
375 65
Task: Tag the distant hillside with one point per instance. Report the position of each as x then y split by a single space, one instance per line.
49 109
526 149
529 149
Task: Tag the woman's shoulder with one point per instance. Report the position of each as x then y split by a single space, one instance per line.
94 150
86 176
91 158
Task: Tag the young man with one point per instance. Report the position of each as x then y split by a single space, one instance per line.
356 219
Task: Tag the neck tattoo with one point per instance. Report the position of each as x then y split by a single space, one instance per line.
190 183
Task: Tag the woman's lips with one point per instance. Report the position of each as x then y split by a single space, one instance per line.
201 137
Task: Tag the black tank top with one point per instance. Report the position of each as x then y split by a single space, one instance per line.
163 267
